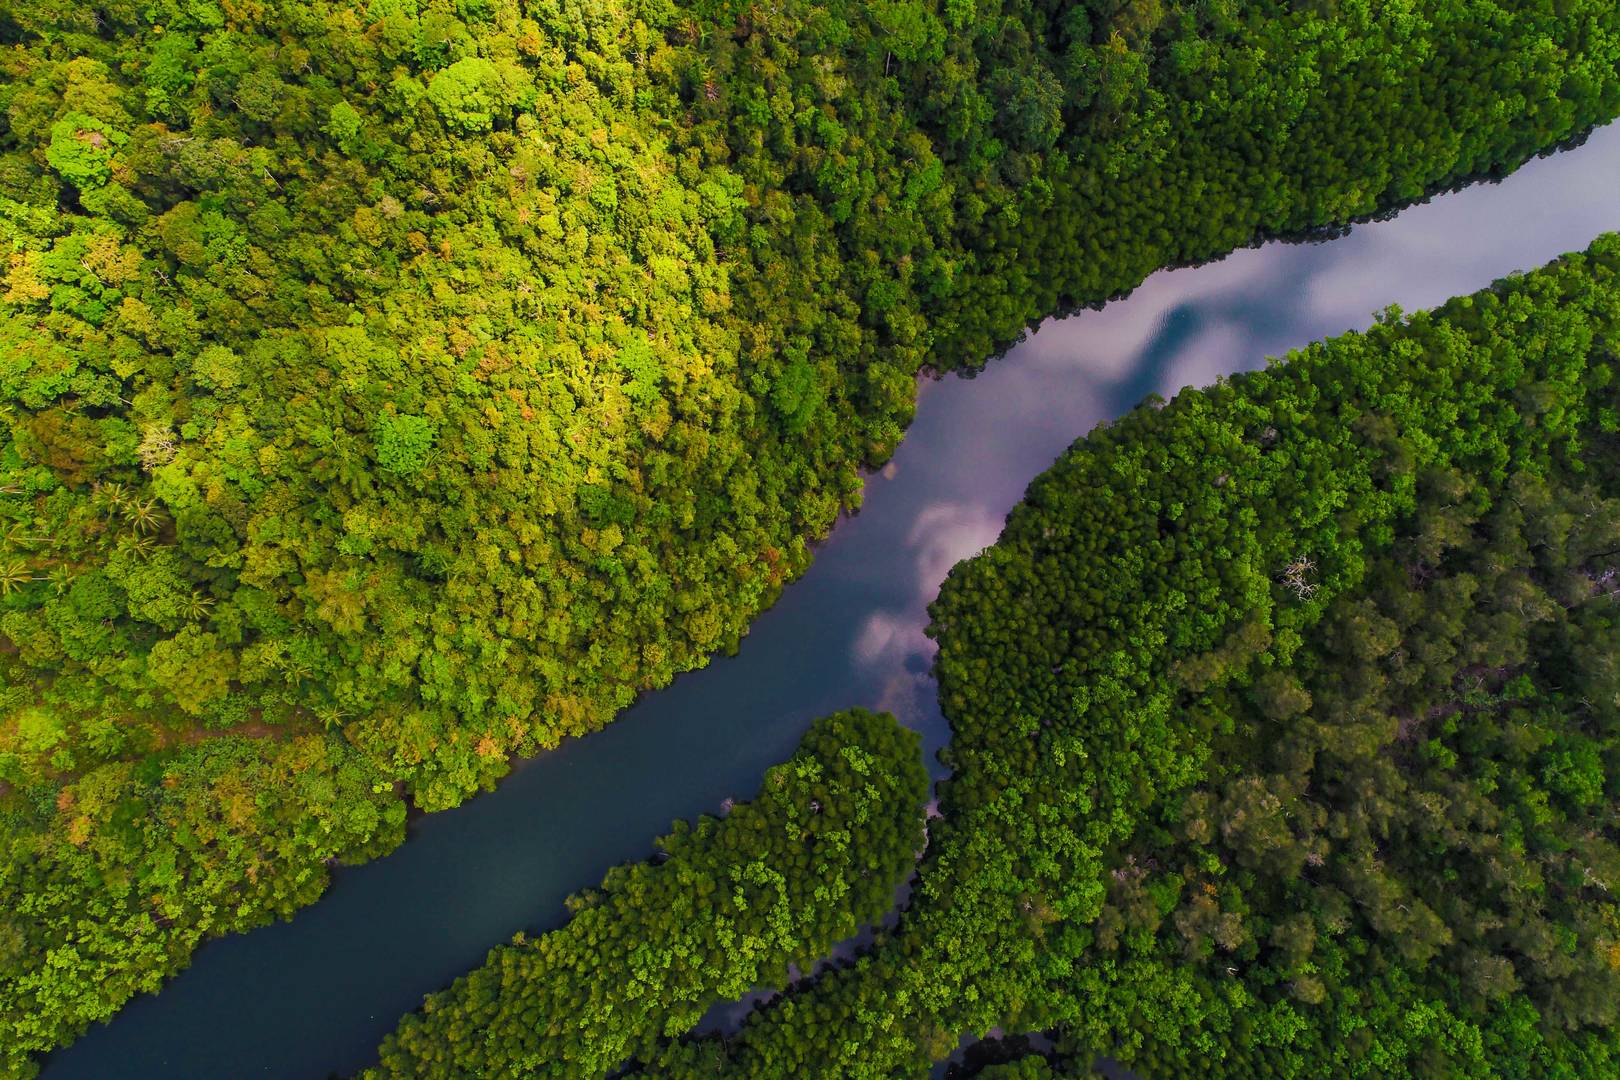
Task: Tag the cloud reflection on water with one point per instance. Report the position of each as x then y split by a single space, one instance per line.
891 640
1216 351
326 986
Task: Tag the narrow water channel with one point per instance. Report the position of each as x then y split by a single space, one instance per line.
313 996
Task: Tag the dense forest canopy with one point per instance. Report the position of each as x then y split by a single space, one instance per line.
729 907
1286 731
392 387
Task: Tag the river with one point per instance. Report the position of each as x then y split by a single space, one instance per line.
314 996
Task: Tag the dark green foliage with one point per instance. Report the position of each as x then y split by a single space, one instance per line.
1032 1067
1286 729
432 377
1010 1058
727 907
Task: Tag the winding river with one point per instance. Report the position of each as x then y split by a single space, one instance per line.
313 996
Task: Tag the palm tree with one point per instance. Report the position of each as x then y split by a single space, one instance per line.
112 494
331 717
295 671
196 606
144 515
140 545
17 535
13 576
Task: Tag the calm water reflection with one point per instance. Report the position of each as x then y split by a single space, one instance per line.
314 996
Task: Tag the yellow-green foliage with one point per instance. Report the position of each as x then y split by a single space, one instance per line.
429 377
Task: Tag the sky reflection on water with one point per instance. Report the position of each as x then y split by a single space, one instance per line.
314 996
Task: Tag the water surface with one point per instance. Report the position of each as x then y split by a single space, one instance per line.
314 996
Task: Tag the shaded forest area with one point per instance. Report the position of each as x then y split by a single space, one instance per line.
392 388
1286 731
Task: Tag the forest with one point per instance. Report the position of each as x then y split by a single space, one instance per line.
390 388
1285 732
728 907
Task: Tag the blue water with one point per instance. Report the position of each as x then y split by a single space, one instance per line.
314 996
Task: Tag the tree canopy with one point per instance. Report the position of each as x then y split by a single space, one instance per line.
390 388
728 906
1286 730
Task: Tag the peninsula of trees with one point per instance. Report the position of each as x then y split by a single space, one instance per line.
1286 731
389 387
728 907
